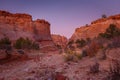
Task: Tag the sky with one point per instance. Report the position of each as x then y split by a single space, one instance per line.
63 15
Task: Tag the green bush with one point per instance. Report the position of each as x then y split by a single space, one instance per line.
104 16
69 57
84 53
22 43
72 56
111 32
70 45
79 56
88 39
80 43
58 46
4 42
70 42
35 46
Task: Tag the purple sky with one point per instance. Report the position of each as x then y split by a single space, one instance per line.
63 15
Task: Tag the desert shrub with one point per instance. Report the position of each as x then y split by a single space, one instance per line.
93 48
58 46
80 43
114 71
104 16
35 46
110 32
84 53
69 57
70 42
79 56
94 68
86 25
70 45
72 56
88 40
69 51
5 43
22 43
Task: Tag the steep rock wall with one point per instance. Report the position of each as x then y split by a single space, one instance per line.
23 24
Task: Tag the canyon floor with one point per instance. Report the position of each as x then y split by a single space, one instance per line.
43 66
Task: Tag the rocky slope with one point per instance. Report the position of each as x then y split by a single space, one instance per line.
19 25
60 40
96 27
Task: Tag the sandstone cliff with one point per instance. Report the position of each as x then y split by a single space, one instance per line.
21 25
96 27
59 40
24 23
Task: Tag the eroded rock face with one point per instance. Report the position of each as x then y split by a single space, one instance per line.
41 30
59 40
18 25
15 19
96 27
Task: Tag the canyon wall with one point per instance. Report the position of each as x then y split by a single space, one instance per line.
19 25
96 27
40 29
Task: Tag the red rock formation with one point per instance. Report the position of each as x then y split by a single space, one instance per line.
42 30
59 40
115 17
24 22
96 27
21 25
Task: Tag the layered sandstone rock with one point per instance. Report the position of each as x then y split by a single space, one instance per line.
19 25
12 23
59 40
41 30
96 27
